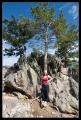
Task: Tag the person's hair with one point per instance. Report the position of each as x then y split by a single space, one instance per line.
45 74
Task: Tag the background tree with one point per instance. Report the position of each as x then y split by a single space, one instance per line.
17 32
66 35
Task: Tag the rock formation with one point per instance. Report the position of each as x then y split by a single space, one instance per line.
63 91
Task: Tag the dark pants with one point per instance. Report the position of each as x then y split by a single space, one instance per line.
45 90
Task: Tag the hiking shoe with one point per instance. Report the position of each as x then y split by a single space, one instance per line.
45 103
42 103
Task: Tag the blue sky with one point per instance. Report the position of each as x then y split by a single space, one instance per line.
70 10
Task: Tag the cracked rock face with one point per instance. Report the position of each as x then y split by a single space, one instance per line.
63 92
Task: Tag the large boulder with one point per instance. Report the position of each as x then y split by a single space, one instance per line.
16 108
23 80
60 94
66 103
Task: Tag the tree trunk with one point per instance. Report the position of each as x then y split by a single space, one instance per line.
46 52
22 56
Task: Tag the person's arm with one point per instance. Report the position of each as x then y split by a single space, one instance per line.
50 78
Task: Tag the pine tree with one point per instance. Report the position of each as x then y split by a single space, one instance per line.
67 36
17 32
43 16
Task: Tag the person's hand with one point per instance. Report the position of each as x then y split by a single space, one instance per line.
51 79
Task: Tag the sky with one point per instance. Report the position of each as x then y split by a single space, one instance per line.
70 10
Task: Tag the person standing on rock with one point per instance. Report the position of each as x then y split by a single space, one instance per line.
69 71
45 87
